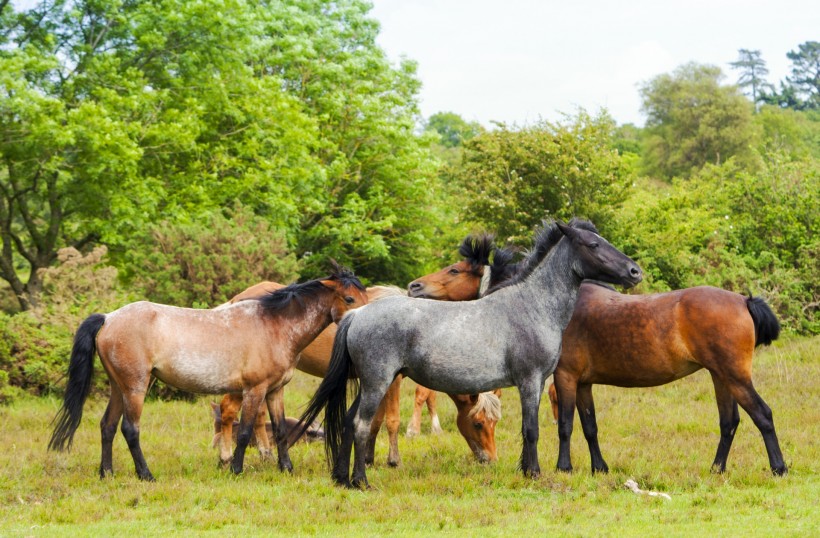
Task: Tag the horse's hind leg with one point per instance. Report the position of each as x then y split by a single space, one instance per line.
368 404
276 408
108 429
375 427
341 467
586 412
729 419
761 414
133 402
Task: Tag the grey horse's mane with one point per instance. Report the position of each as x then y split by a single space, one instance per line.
488 402
546 237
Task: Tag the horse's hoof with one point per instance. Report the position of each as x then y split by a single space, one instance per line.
223 464
287 467
780 471
562 469
393 463
602 470
360 485
532 473
148 477
343 482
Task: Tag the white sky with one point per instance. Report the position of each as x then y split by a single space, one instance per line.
519 61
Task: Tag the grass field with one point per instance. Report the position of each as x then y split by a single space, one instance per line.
664 438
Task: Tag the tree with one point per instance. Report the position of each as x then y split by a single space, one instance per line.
517 177
805 77
118 114
693 120
753 71
452 128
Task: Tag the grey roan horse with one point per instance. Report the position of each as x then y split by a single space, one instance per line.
511 337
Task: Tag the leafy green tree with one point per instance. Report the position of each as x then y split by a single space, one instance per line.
517 177
805 77
693 120
753 71
118 114
453 130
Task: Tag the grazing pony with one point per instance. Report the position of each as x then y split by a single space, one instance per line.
249 348
679 333
509 338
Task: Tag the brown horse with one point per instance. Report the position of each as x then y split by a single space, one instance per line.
313 360
679 333
249 348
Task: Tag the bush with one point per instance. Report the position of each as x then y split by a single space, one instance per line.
205 263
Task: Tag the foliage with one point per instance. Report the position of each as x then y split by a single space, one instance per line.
747 231
516 177
205 263
692 120
119 114
452 129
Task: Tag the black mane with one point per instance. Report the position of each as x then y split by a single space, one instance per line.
476 250
546 237
278 301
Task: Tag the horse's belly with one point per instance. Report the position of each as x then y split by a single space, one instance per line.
204 372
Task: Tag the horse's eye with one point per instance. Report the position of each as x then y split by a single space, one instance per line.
454 271
478 425
349 299
593 245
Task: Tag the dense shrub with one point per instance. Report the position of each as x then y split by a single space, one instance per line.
205 263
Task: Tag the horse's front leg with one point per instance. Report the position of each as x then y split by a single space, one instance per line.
530 393
393 421
586 412
729 419
251 400
435 424
108 429
276 409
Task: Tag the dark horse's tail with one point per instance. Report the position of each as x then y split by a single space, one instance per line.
767 328
332 393
79 383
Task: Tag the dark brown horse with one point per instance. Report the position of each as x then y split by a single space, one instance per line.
676 334
249 348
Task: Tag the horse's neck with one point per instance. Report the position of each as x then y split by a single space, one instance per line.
315 318
553 285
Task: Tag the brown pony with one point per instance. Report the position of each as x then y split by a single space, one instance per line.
679 333
249 348
313 360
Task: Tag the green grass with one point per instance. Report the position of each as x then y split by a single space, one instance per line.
664 438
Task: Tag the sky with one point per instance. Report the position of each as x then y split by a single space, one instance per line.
518 62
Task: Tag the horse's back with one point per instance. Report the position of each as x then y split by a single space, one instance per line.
646 340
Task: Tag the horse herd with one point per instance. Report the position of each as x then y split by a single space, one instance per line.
479 325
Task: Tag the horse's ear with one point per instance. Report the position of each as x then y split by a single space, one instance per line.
497 392
473 399
568 231
334 266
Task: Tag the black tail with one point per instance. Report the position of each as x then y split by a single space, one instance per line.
767 328
79 383
332 393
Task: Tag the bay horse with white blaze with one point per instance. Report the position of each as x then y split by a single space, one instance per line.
509 338
249 348
678 333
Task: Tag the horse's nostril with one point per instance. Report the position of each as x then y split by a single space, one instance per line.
414 285
635 271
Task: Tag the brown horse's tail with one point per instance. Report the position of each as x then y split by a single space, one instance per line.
80 369
332 393
767 328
